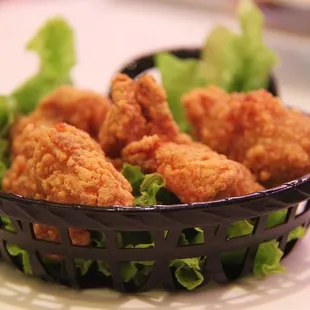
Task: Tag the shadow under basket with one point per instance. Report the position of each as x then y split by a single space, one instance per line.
135 249
127 267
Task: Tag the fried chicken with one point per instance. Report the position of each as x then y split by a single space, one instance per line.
254 129
192 171
83 109
25 133
140 108
67 166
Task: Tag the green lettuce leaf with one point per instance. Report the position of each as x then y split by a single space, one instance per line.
258 59
238 229
3 169
98 239
104 268
83 265
232 61
128 271
297 233
144 271
199 236
7 115
16 250
148 189
135 239
223 62
268 259
178 77
54 45
134 176
239 62
7 223
278 218
4 148
188 272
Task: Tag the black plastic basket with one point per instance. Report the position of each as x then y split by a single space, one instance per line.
166 224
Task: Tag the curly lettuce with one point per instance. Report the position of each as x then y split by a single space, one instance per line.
7 115
233 61
148 189
54 45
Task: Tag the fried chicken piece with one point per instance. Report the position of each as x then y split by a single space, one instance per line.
17 179
140 108
254 129
192 171
25 133
67 166
83 109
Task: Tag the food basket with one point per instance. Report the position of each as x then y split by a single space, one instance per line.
165 223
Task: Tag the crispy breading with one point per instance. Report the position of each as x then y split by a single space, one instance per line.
86 110
254 129
67 166
140 108
83 109
192 171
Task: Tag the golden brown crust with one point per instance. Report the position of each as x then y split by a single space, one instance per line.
85 110
68 166
193 171
254 129
124 122
140 108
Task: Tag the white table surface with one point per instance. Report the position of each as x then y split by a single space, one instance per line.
109 33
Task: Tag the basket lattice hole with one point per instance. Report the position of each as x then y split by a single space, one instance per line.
54 265
283 216
97 239
233 263
135 239
191 236
20 257
6 224
92 273
301 208
277 218
46 233
298 232
241 228
187 272
135 274
77 236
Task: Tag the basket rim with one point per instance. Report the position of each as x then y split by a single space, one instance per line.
162 208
